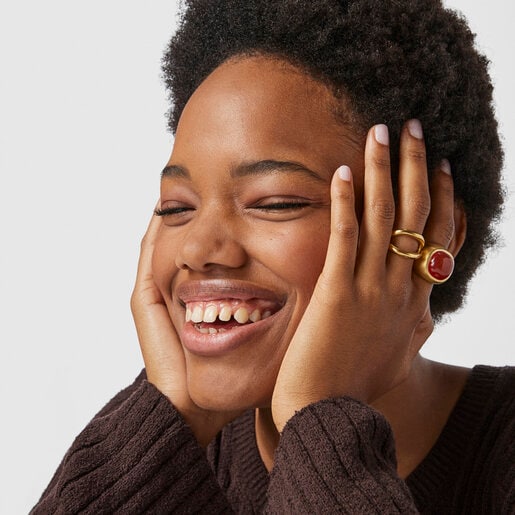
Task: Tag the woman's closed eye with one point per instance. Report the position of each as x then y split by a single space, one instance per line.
283 205
280 205
170 211
277 209
284 209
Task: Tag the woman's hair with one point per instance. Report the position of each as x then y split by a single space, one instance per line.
390 60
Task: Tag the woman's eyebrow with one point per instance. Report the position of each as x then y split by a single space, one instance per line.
271 166
264 167
175 171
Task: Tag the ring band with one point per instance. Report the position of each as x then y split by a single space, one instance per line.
435 264
411 255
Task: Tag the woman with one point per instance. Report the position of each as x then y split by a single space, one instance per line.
293 271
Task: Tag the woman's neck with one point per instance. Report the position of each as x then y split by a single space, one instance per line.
417 411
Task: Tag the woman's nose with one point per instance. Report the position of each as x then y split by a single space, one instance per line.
210 241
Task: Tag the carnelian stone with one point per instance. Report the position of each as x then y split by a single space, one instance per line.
440 265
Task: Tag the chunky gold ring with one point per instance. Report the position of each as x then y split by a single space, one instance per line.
410 255
435 264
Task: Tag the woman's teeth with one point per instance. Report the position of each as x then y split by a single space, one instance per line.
210 312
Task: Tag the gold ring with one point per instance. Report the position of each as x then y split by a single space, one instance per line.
435 264
411 255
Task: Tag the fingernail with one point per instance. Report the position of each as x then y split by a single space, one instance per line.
415 128
445 166
344 173
381 134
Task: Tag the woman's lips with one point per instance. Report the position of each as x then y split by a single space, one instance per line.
218 341
216 289
221 315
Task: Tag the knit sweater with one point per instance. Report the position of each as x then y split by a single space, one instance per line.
335 456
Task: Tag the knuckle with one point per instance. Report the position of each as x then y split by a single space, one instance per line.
346 231
384 209
134 304
345 195
382 162
420 206
447 231
446 187
417 154
401 294
371 295
145 242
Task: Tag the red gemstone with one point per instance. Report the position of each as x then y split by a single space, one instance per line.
440 265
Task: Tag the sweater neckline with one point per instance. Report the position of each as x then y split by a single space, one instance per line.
447 454
428 478
246 452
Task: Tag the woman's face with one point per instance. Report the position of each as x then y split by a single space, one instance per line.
246 226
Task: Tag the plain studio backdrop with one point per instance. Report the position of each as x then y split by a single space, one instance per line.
82 144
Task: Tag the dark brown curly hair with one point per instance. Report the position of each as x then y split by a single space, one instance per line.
392 60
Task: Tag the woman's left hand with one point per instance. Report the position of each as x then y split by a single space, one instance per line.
369 313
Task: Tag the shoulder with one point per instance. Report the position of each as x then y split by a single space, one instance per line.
488 401
470 468
490 388
491 392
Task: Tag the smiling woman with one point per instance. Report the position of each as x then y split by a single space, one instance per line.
324 153
251 206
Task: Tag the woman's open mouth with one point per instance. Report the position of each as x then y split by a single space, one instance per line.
212 317
221 315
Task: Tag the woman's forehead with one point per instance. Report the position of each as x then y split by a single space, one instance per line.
257 105
264 87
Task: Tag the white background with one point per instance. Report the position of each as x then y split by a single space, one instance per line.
82 141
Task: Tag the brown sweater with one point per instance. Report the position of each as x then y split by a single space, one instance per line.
335 456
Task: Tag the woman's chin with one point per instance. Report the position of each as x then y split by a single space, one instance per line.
229 396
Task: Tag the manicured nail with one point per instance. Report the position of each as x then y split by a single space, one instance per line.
445 166
344 173
381 134
415 128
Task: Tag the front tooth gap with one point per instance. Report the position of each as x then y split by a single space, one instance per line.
210 313
225 313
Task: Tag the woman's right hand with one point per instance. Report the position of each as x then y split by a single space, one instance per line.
162 351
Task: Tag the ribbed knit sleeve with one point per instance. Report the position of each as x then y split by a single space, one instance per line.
136 456
337 456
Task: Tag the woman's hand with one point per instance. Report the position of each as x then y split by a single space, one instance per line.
369 313
162 352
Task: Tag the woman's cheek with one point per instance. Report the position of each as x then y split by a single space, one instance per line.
297 253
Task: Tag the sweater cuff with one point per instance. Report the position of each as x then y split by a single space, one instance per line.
338 453
140 456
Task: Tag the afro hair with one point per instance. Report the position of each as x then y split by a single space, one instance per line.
391 60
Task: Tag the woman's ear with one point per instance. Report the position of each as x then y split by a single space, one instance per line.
460 228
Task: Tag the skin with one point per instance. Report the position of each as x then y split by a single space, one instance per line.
353 315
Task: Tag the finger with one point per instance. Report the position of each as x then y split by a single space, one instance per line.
146 294
378 205
440 224
153 324
414 202
343 240
144 272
